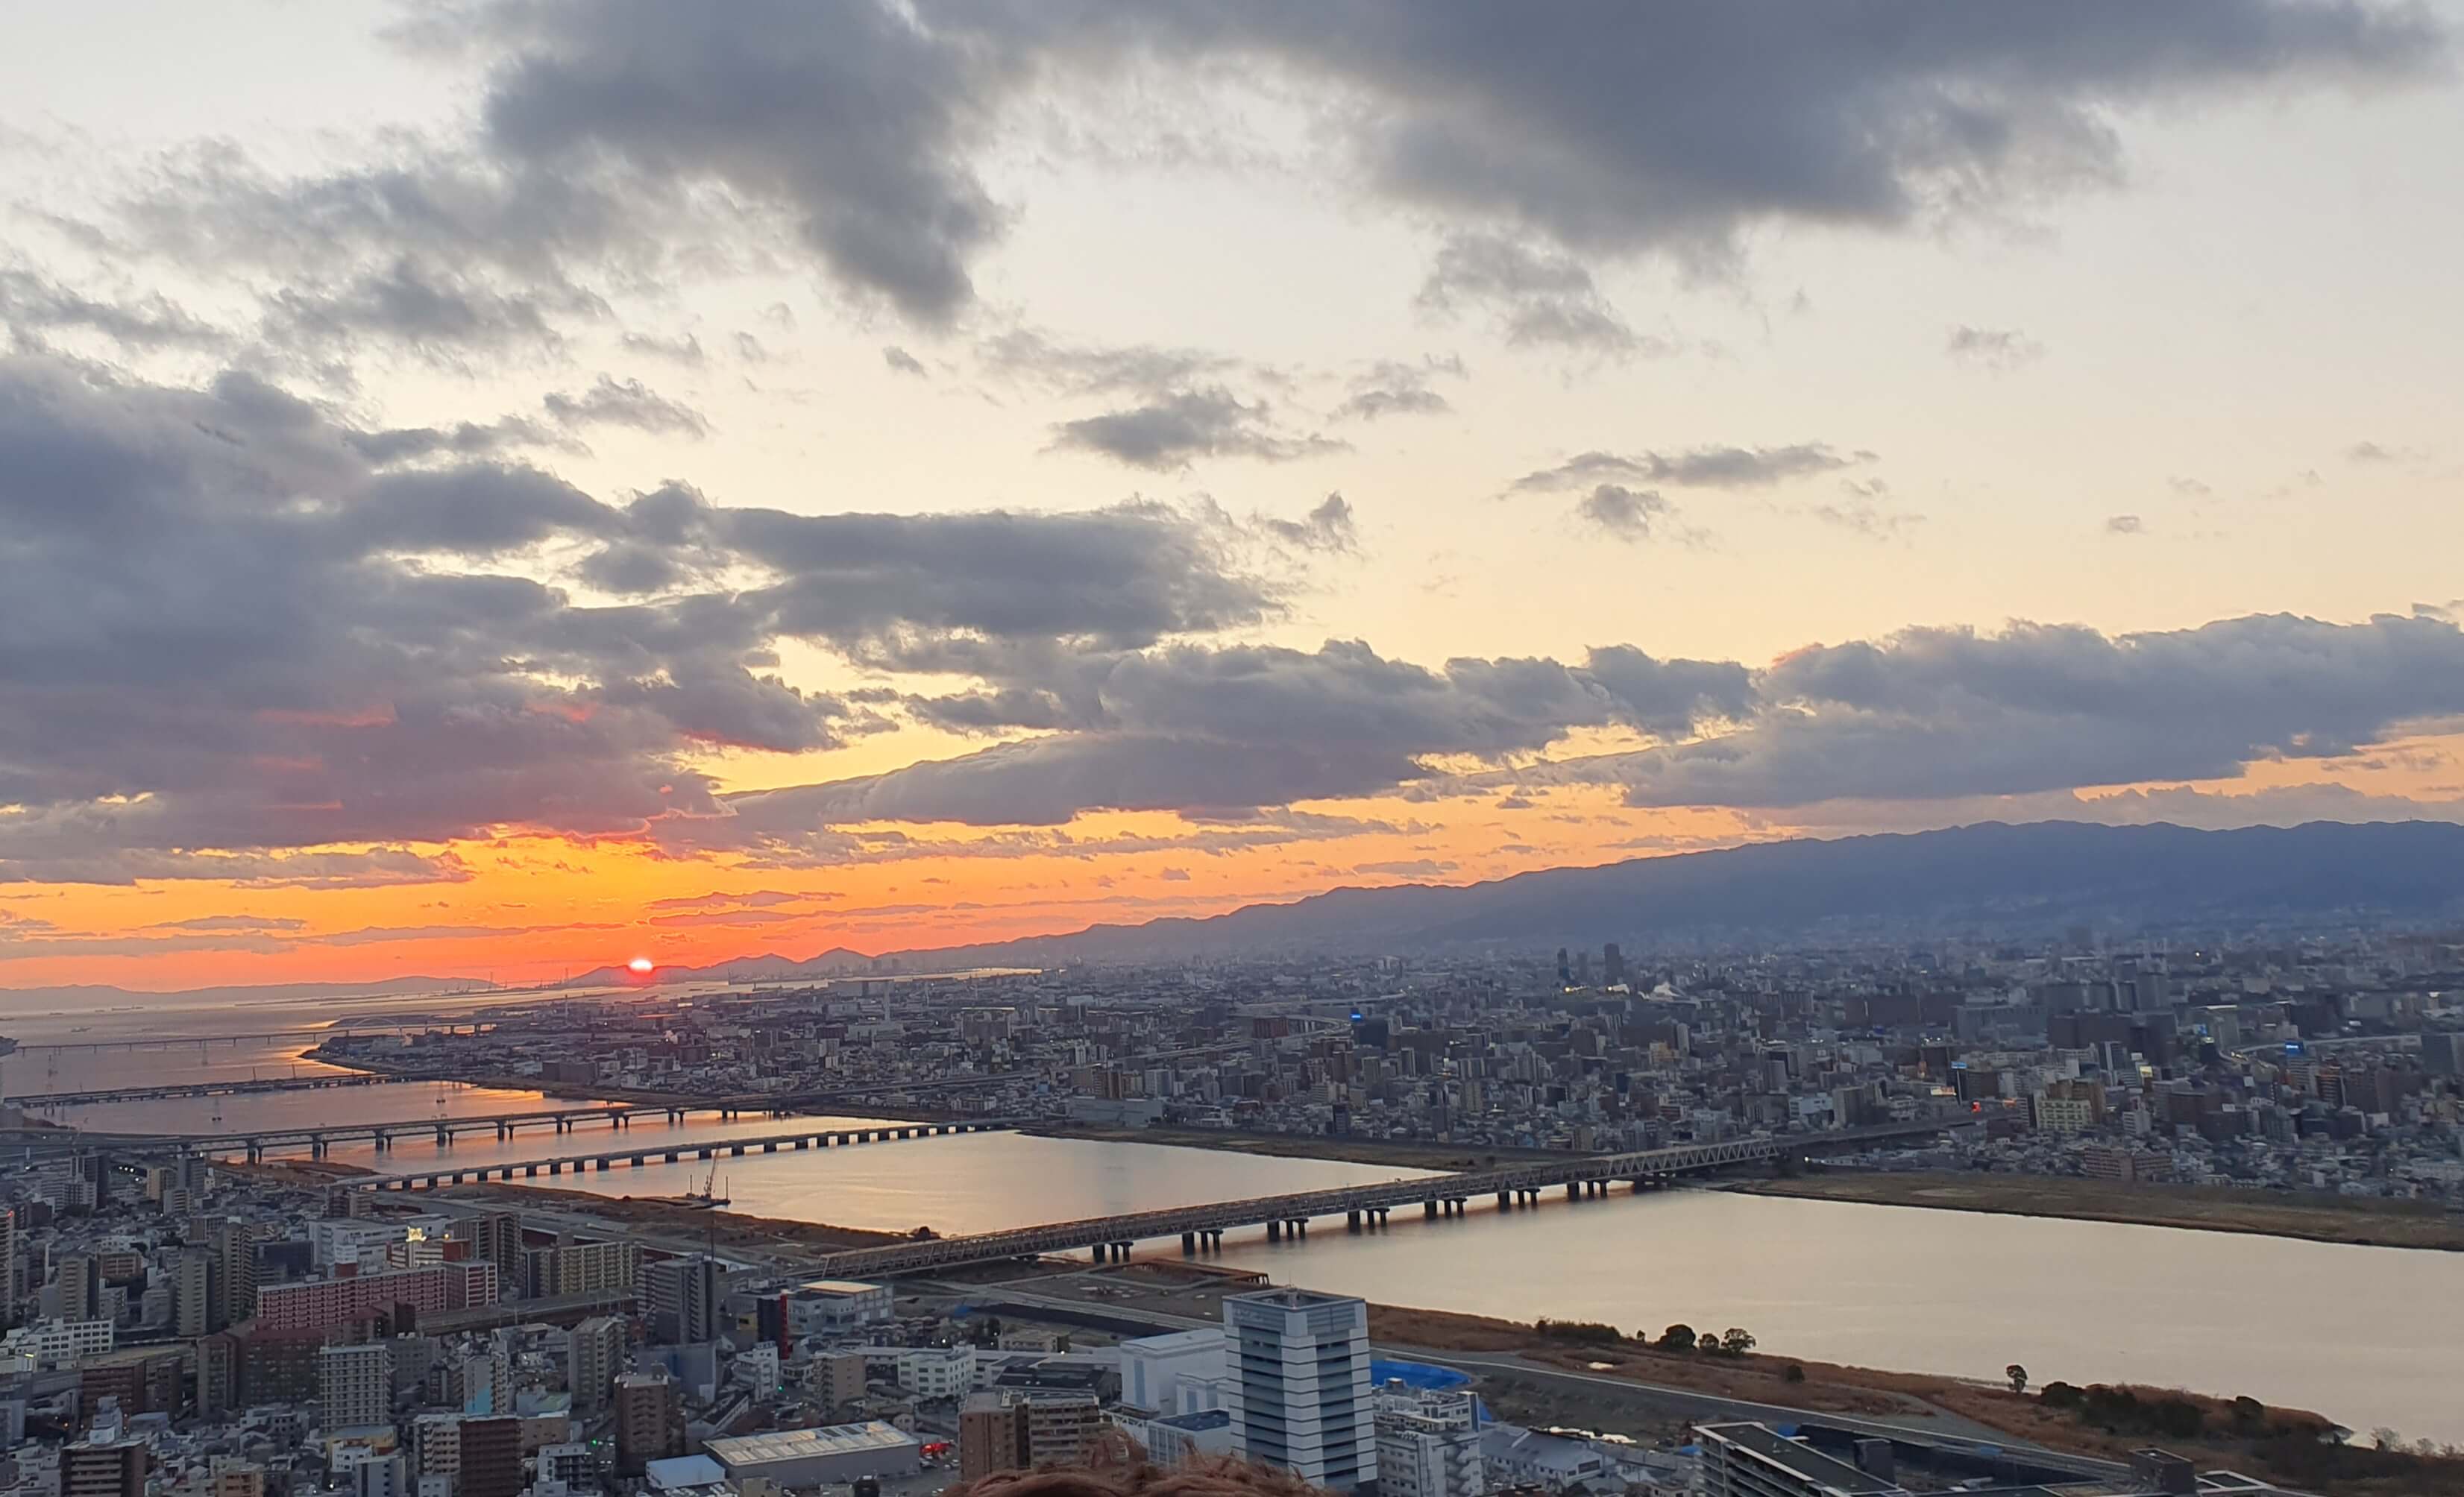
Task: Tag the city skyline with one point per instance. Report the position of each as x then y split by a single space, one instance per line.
514 489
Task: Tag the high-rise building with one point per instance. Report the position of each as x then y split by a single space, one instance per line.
1612 965
1061 1427
482 1381
436 1450
834 1379
1300 1398
1428 1444
233 1274
582 1269
318 1305
355 1385
192 1278
649 1420
104 1468
143 1379
684 1295
594 1354
79 1277
491 1457
11 1287
495 1237
992 1436
1015 1429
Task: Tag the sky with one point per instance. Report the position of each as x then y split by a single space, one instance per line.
496 489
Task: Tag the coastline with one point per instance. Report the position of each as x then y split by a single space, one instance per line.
2191 1208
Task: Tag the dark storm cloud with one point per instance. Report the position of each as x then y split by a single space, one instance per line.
227 628
1166 434
1700 468
1936 714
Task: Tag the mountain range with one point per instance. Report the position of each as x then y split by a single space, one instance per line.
1986 880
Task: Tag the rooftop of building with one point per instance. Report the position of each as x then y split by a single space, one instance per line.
1288 1297
680 1471
836 1288
1828 1473
797 1444
1171 1341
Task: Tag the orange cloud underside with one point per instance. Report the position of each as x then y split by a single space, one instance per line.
535 908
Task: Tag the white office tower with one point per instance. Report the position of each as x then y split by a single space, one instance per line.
1428 1444
1300 1384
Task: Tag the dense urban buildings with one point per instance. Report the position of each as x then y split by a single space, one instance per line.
192 1320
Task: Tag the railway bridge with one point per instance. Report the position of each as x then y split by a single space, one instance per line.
676 1152
1581 1175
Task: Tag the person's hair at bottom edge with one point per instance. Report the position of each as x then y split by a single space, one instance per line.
1115 1467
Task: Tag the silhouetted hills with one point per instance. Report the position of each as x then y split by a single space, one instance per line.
1978 879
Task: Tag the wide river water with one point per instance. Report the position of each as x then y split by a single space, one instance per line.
2370 1336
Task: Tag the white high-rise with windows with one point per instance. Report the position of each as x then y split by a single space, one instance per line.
1299 1383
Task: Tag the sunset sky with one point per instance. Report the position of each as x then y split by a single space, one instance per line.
500 489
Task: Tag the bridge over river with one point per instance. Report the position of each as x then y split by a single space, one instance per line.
1579 1174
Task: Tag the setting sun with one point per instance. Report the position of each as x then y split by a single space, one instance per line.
641 964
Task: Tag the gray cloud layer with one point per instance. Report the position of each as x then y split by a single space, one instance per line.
226 626
622 138
1932 714
233 644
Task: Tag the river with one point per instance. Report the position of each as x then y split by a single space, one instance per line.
2370 1336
